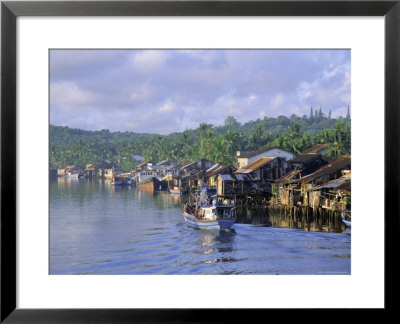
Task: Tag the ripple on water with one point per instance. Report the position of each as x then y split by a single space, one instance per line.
129 232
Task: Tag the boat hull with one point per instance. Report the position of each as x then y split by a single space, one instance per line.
73 176
176 191
220 224
153 185
346 222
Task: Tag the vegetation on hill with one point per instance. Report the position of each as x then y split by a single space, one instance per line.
218 144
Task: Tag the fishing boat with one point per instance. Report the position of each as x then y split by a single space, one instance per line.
346 218
220 214
177 190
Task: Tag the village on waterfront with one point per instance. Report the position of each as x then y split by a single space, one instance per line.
314 184
200 161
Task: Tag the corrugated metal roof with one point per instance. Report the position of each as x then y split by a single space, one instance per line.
316 148
214 172
240 171
341 183
226 177
262 150
286 178
236 177
240 177
256 164
303 158
213 167
340 163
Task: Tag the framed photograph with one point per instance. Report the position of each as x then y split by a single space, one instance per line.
163 158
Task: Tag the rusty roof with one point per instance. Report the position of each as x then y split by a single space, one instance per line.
255 165
220 169
316 148
286 178
343 183
340 163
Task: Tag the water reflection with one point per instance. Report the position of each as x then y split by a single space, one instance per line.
263 217
97 228
216 238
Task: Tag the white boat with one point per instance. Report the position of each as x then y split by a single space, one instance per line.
219 215
177 190
75 175
346 218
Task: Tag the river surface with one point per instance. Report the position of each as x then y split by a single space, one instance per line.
96 228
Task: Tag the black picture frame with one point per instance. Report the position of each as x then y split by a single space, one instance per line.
10 10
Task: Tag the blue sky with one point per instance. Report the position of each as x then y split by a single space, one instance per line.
164 91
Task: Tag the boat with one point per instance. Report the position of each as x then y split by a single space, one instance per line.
177 190
220 214
121 181
346 218
153 184
74 175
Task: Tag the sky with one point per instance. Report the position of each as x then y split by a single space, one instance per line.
165 91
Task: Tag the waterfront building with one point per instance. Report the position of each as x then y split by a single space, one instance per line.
308 162
300 190
192 174
67 169
98 169
266 168
210 178
245 158
235 185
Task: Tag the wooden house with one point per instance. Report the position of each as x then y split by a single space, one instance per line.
329 172
308 163
192 174
245 158
62 170
66 169
109 173
201 164
210 178
146 165
172 171
235 184
266 168
334 194
98 169
284 191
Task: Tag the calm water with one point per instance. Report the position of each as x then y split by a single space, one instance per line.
96 228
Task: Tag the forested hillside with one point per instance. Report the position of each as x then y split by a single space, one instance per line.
218 144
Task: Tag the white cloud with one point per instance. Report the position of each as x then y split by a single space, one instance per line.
68 95
149 60
144 88
277 102
168 107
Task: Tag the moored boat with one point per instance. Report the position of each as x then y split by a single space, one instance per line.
177 190
219 215
153 184
346 218
74 175
121 181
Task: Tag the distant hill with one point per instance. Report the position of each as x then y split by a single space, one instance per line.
77 146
